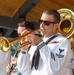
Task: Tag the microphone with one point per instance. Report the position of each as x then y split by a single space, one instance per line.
13 65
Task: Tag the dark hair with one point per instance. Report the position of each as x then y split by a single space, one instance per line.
1 31
55 14
27 24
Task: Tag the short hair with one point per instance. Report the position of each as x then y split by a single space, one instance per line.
27 24
2 31
55 14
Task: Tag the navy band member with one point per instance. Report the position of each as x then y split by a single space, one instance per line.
46 58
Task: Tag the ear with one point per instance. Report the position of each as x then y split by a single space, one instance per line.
56 25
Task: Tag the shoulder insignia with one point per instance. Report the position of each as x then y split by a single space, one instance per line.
60 55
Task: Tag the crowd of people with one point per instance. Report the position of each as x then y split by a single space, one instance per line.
50 54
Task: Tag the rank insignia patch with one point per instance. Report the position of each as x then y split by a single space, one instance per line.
60 54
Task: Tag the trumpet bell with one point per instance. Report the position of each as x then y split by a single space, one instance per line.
4 44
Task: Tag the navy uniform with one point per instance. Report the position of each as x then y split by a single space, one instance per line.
53 60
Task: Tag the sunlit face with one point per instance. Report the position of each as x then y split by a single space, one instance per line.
20 30
48 29
23 30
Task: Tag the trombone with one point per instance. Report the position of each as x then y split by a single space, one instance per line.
5 44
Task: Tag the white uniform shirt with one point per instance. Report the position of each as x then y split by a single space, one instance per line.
54 58
5 59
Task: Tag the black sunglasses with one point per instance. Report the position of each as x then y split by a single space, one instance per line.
46 22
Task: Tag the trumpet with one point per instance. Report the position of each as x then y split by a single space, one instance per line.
5 44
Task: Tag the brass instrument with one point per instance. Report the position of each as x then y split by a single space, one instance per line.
66 25
5 44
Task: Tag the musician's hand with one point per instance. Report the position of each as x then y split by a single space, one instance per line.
34 39
24 40
9 69
9 66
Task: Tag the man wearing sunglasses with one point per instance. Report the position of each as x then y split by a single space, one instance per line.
48 55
